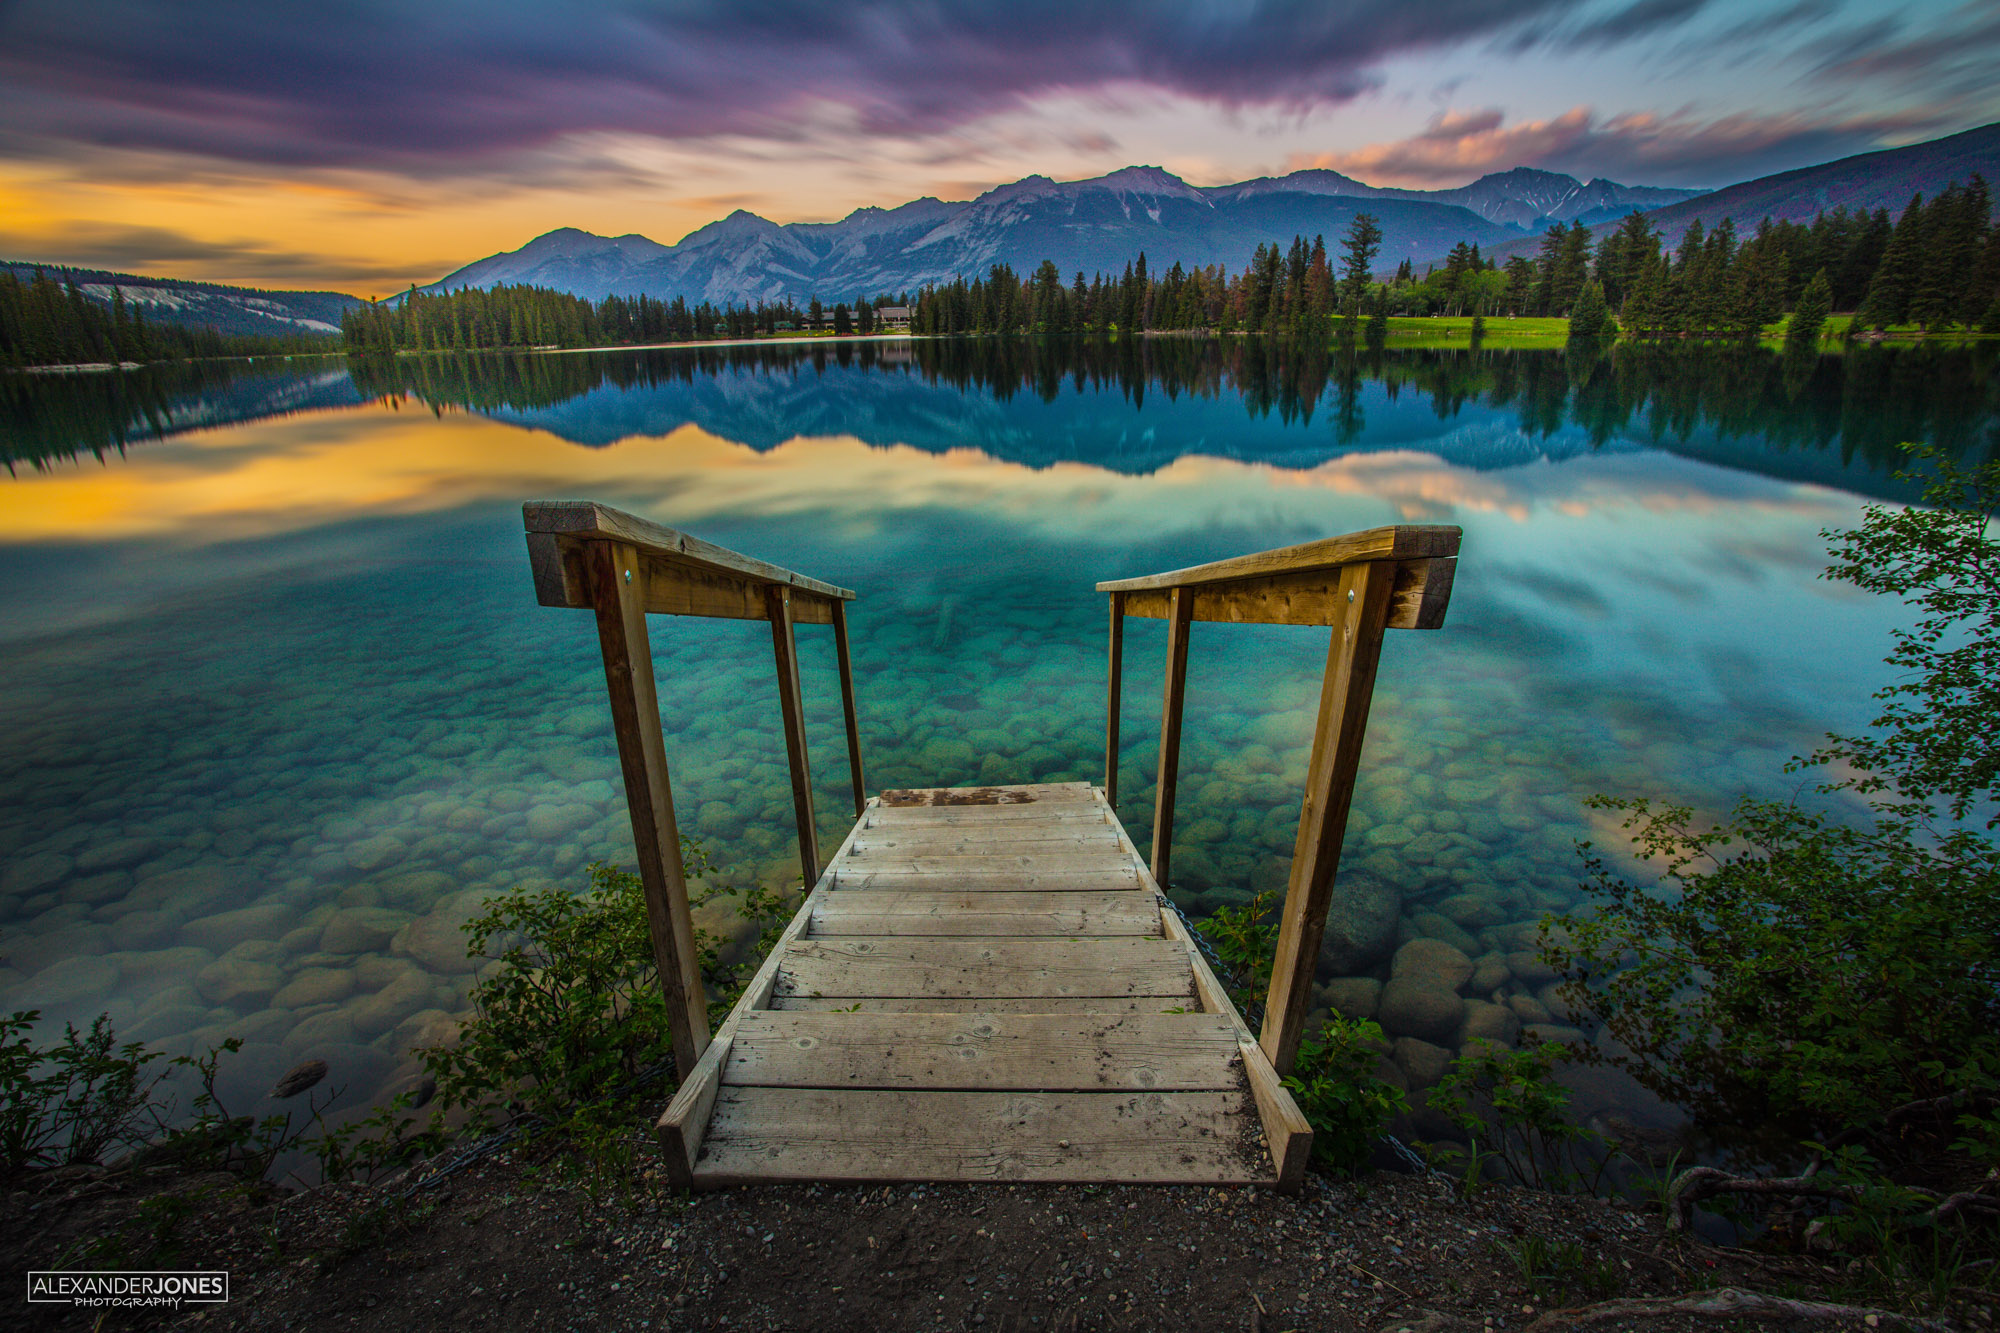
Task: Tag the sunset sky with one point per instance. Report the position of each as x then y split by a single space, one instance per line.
361 145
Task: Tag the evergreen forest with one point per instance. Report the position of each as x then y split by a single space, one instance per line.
48 323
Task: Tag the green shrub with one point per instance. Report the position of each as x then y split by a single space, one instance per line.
75 1101
570 1021
1513 1112
1338 1092
1245 938
1825 987
1803 976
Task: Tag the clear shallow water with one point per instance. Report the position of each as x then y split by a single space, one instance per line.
280 708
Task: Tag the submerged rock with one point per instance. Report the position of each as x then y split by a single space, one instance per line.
1360 925
1412 1009
1432 963
1352 997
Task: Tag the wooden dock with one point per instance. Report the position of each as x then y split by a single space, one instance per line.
986 983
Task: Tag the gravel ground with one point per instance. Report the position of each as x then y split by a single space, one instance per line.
498 1247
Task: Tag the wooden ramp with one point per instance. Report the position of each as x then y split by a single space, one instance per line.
985 984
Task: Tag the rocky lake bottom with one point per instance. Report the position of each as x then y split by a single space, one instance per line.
261 764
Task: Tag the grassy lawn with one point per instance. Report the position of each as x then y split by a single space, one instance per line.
1456 331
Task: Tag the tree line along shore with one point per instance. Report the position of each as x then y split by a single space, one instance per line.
1934 271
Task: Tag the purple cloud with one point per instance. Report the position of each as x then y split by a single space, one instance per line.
1636 147
366 82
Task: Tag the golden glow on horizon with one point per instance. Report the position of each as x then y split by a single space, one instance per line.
373 233
276 476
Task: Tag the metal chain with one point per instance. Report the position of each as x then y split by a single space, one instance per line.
1410 1156
1253 1013
485 1147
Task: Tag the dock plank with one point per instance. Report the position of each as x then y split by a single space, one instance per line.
864 966
969 1052
761 1134
938 911
1042 812
1107 861
987 1004
848 878
959 839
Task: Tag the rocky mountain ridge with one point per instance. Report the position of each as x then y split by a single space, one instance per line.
1084 226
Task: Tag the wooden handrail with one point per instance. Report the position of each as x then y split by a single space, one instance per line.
1360 584
591 556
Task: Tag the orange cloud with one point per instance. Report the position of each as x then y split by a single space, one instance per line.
1457 146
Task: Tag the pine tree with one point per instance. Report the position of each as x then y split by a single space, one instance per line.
1572 269
1809 317
1357 265
1589 319
1895 280
1378 320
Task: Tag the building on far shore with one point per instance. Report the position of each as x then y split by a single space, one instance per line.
892 316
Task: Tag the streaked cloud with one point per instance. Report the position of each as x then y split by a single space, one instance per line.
125 248
290 83
317 142
1645 147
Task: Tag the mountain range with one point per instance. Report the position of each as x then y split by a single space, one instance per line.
1089 226
1085 226
229 310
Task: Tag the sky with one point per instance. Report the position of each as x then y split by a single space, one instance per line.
362 145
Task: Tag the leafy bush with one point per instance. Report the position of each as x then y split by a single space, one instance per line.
75 1101
570 1020
1334 1079
1799 974
1339 1094
1513 1112
1245 938
1830 989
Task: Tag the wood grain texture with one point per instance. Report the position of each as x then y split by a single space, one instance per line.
1403 542
1288 1135
870 966
930 912
1345 695
987 1004
852 875
969 1052
818 1134
682 1124
847 709
1038 838
1107 861
587 519
1423 591
1028 793
1173 699
642 761
1114 692
791 710
1041 813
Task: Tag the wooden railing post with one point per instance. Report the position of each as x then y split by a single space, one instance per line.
1362 601
1114 698
779 598
618 597
847 707
1180 619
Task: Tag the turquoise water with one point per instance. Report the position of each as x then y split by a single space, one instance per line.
280 708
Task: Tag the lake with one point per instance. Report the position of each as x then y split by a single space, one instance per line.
280 708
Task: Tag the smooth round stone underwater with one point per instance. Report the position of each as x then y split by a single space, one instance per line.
274 819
